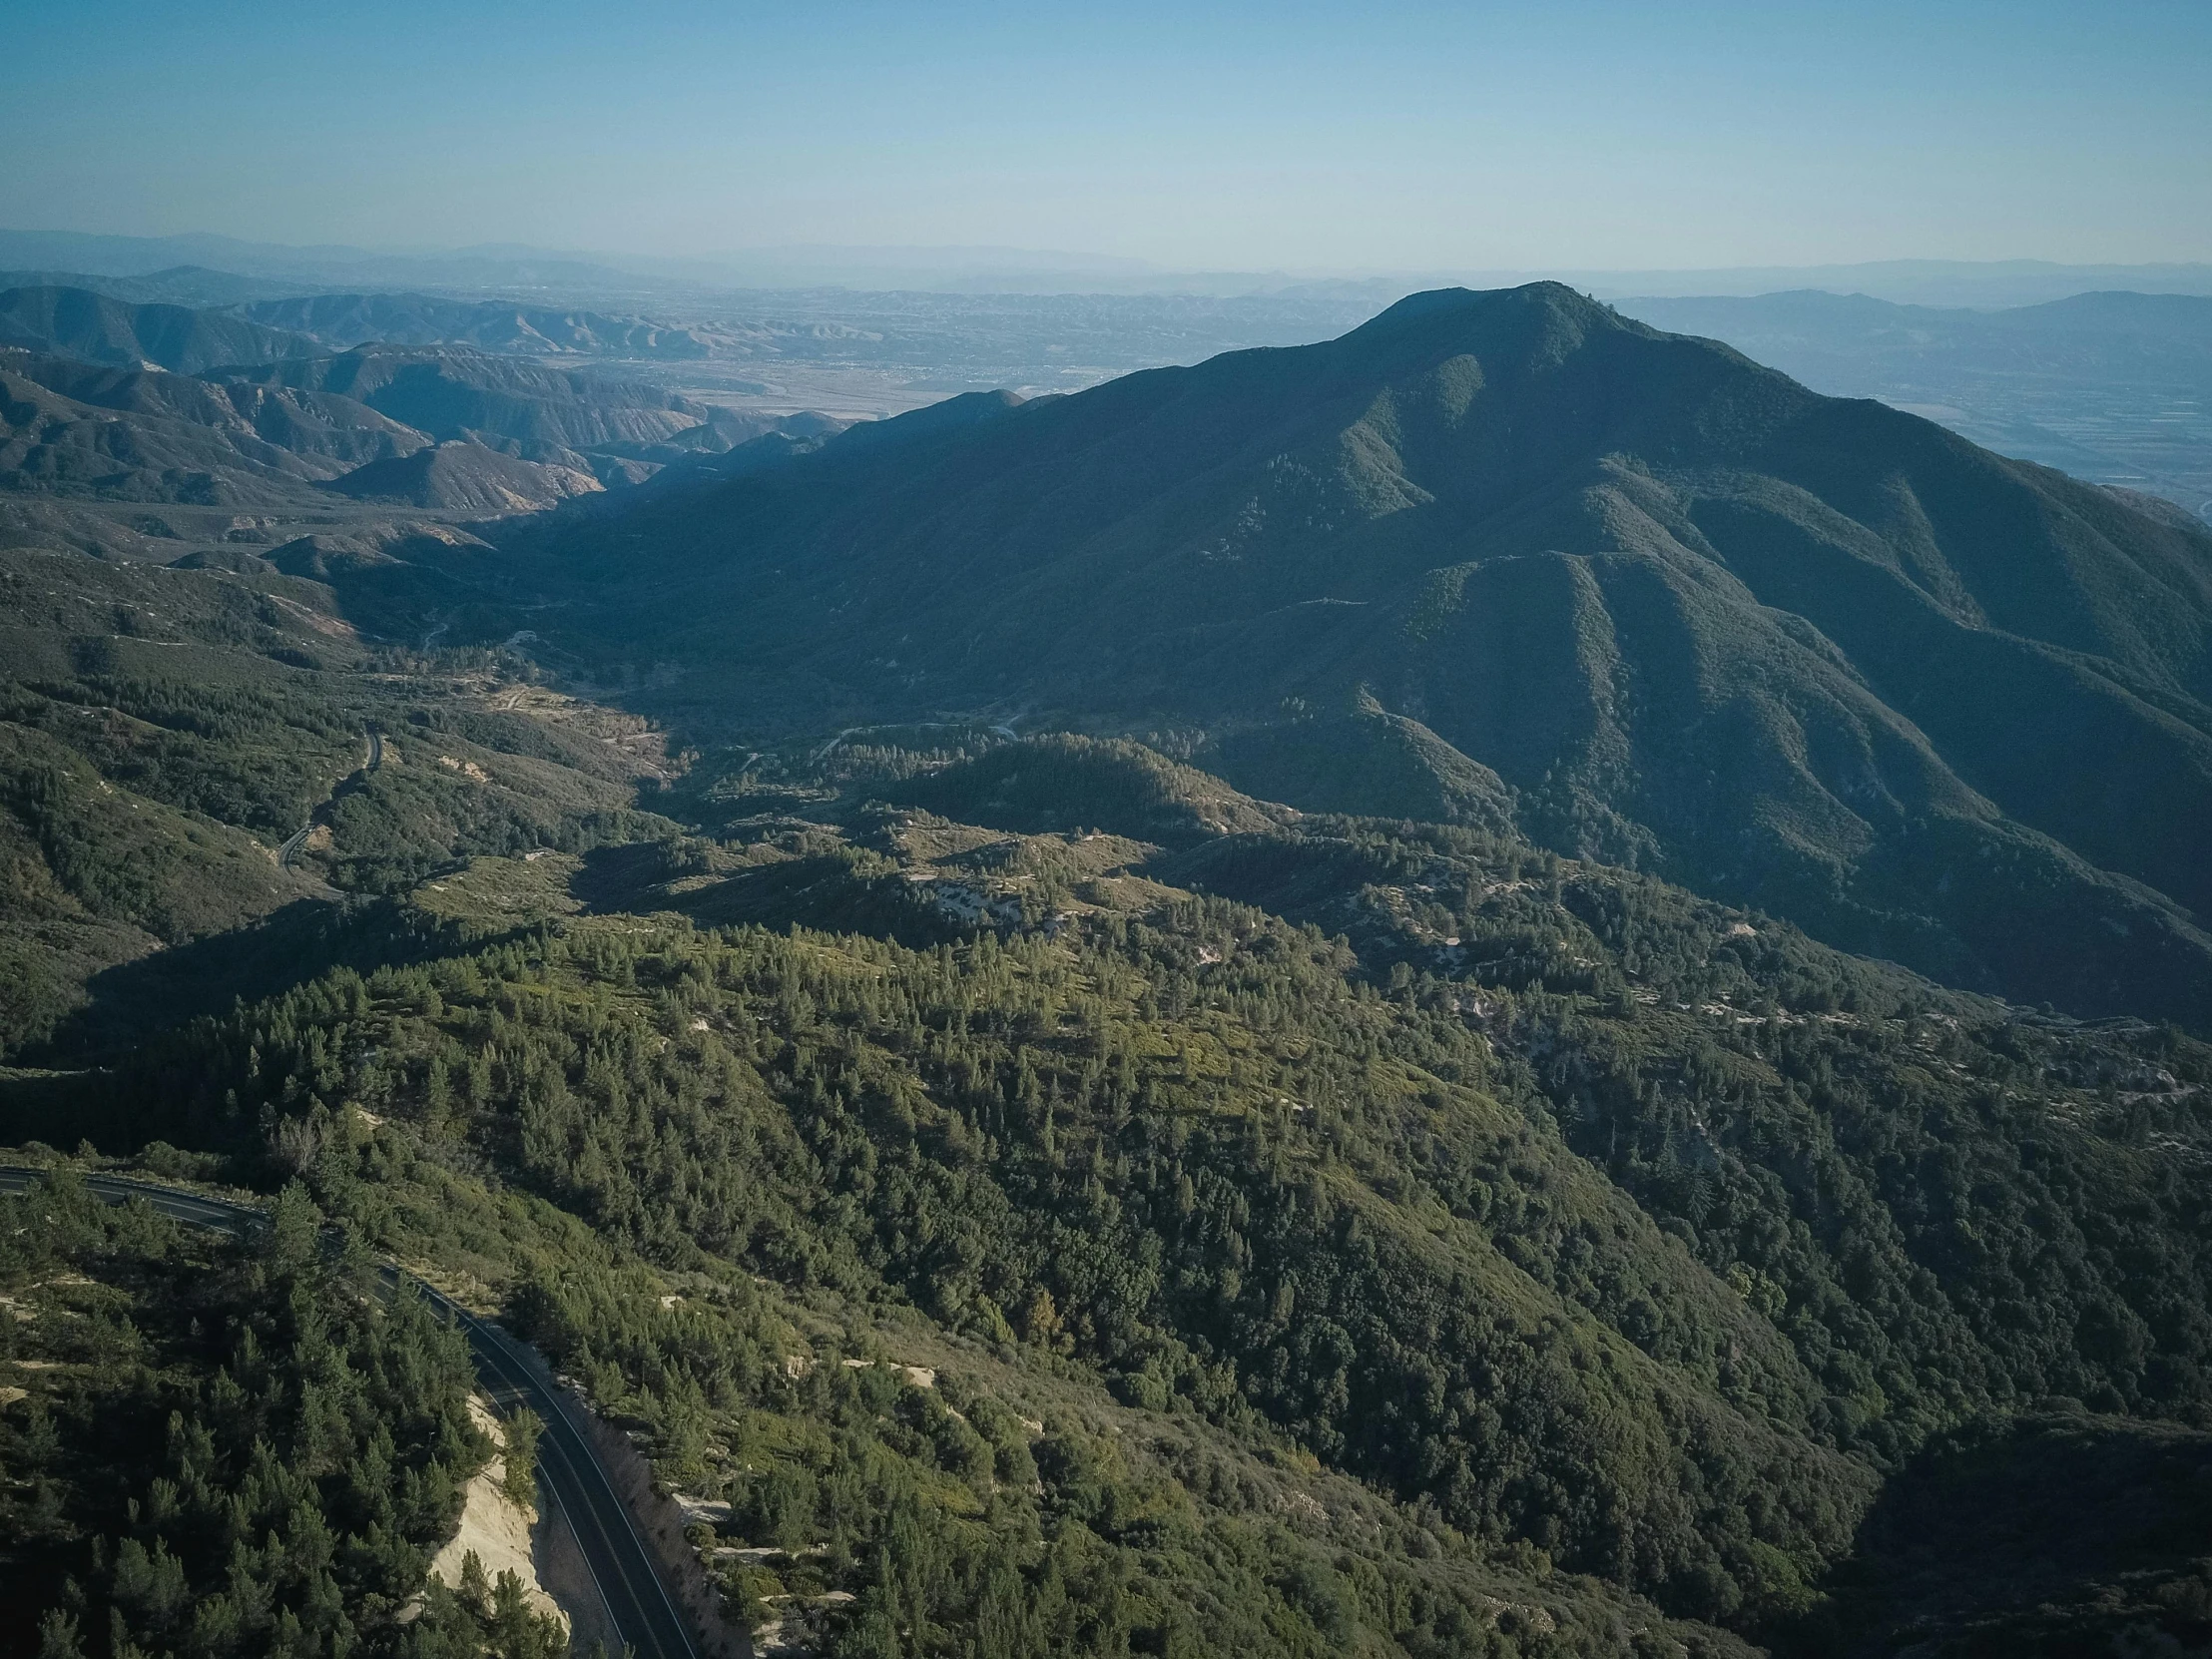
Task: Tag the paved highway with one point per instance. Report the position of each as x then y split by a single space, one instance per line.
289 851
645 1615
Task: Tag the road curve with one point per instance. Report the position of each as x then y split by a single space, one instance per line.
645 1615
373 762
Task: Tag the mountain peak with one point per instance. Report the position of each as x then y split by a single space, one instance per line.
1536 324
1464 301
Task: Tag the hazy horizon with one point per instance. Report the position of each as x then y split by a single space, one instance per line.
954 257
519 268
1223 138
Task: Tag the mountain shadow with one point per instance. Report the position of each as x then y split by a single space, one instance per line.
2055 1533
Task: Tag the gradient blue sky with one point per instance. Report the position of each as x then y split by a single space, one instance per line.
1284 135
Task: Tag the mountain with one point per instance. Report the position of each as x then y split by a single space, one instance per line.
466 477
457 393
325 266
521 437
2110 386
302 423
1311 1182
345 320
77 430
239 320
1630 592
75 322
183 285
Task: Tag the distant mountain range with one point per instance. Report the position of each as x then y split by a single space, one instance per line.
75 429
1513 559
100 330
1983 283
349 319
1018 271
183 285
117 401
190 319
1864 345
106 256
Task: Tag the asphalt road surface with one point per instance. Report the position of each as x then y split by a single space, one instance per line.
374 760
645 1615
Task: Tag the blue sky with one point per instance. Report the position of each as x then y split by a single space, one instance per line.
1317 138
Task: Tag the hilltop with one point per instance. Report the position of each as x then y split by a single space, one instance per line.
468 478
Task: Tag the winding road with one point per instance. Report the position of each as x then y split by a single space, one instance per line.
645 1614
286 853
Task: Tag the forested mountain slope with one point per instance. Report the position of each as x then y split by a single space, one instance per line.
1652 603
1564 1211
164 731
229 1449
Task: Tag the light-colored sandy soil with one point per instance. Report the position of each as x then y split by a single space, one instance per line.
494 1528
